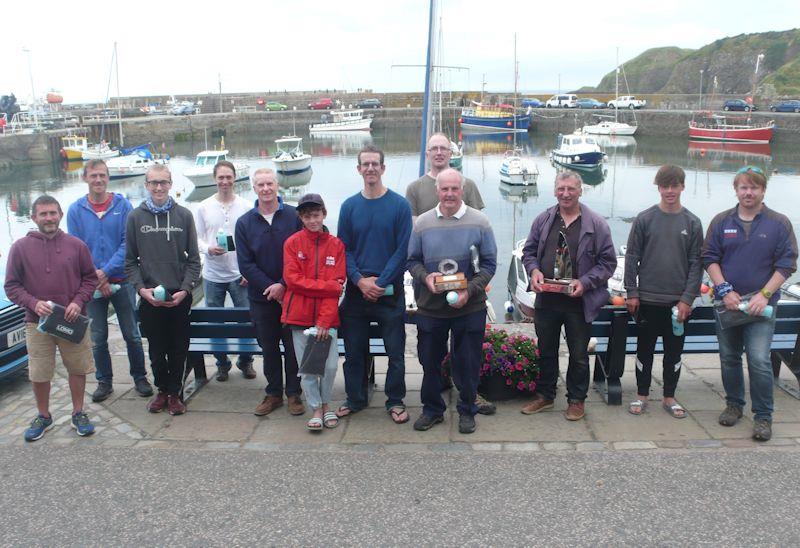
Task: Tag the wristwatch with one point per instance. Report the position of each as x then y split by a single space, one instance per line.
767 293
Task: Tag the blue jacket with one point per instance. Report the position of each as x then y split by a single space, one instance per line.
748 262
259 247
104 237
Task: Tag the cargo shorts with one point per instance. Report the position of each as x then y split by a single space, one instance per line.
77 357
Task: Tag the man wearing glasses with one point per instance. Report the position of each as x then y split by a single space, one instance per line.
163 264
749 251
571 244
375 226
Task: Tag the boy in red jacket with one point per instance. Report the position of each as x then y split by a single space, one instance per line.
314 272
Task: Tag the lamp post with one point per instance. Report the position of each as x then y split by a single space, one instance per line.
700 107
30 73
755 76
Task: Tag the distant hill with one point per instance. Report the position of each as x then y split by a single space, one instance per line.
728 66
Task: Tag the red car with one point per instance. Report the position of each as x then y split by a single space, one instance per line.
326 103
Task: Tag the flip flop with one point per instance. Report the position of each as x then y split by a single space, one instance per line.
345 411
330 420
314 424
637 407
399 414
675 410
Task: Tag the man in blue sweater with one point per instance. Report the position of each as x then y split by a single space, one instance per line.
374 225
749 252
260 235
99 220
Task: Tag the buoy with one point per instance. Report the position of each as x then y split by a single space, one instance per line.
509 306
702 152
618 300
509 124
460 120
703 289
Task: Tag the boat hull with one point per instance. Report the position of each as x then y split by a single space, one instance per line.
741 135
100 154
499 124
365 124
291 166
72 154
610 129
584 160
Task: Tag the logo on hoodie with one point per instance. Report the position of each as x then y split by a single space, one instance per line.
146 229
330 260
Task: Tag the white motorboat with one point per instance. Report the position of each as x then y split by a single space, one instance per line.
515 169
100 151
577 151
343 120
608 127
290 158
202 173
134 164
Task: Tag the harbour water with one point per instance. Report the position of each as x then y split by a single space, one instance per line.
619 191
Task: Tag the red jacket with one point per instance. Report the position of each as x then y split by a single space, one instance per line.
314 272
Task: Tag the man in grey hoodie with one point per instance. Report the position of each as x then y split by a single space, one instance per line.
162 262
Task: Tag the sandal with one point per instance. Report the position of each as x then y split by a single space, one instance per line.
675 410
637 407
345 411
398 414
314 424
330 420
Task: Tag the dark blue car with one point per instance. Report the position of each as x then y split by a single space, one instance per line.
792 105
13 354
532 102
590 103
738 104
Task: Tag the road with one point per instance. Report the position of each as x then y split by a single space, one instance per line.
92 495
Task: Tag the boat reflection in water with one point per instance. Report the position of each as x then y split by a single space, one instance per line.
292 187
338 143
480 144
591 176
517 193
616 142
721 149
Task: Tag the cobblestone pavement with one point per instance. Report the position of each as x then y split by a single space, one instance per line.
220 417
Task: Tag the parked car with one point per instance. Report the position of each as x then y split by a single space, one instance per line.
370 103
627 101
182 108
325 103
275 105
590 103
13 352
792 105
563 101
738 104
532 102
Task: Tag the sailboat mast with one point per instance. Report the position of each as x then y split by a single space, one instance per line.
516 77
616 89
426 101
119 100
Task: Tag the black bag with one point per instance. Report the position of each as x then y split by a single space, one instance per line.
56 325
315 356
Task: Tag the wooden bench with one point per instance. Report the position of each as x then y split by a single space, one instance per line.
616 331
231 331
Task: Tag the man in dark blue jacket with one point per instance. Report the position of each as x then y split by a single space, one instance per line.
260 235
99 220
749 252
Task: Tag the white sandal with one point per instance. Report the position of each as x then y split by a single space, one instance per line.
314 423
330 420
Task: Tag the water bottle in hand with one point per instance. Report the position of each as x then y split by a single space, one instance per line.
677 327
767 312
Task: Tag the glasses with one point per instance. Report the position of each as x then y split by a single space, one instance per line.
370 164
439 149
754 169
158 183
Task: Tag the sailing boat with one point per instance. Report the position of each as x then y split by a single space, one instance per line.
514 170
607 127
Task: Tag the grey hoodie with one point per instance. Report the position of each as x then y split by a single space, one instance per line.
162 249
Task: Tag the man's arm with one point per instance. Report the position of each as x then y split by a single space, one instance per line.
344 231
88 278
633 256
132 269
605 259
15 275
200 225
397 262
695 275
414 264
192 272
530 250
472 196
246 257
487 262
117 260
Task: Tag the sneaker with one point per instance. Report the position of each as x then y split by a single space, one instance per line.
38 427
102 392
762 430
158 404
175 406
466 424
485 407
268 405
426 422
247 370
143 388
538 404
730 416
575 410
296 406
81 424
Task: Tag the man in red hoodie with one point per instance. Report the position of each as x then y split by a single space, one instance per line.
50 266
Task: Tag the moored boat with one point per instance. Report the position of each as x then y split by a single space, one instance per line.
290 158
718 127
343 120
202 173
134 162
494 119
515 170
577 151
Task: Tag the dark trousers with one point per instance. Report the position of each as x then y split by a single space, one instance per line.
270 333
356 313
467 355
654 321
167 332
548 322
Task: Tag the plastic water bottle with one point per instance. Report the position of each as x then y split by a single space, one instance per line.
767 312
312 331
97 293
452 297
677 327
222 240
160 293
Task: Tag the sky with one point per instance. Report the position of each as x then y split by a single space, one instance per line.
179 47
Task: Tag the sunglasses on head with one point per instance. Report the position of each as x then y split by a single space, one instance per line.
754 169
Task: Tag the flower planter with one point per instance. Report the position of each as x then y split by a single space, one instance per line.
494 388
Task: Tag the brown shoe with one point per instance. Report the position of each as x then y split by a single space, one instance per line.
248 371
296 406
268 405
158 404
175 406
575 411
538 404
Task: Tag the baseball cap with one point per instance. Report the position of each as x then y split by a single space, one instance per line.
308 200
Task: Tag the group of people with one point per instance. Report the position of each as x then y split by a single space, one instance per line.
282 262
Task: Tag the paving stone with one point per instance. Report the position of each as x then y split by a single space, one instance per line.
155 444
63 419
671 444
202 426
455 447
234 396
123 428
375 426
529 446
294 431
487 446
633 445
261 446
590 446
740 443
704 444
616 424
709 420
366 448
134 435
405 447
557 446
136 414
222 445
509 425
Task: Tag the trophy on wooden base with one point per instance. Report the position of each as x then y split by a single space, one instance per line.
451 279
561 282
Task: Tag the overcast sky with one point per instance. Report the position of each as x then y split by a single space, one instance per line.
180 47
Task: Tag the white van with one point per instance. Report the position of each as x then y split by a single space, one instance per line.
562 101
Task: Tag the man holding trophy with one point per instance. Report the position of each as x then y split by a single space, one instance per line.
569 256
452 256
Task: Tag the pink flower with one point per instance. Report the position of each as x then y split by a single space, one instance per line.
504 348
532 386
519 366
486 345
508 382
520 385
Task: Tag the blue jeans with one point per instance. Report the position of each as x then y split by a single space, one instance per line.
317 389
755 339
548 322
215 296
124 302
356 313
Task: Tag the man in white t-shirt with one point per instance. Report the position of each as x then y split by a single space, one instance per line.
216 220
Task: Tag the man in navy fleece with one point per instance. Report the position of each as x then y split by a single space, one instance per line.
375 226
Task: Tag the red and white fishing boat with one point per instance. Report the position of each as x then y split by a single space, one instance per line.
717 127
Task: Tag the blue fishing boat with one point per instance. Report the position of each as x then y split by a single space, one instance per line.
577 151
494 119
